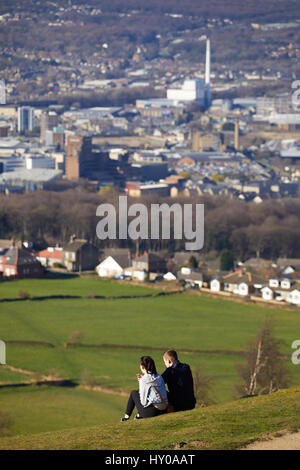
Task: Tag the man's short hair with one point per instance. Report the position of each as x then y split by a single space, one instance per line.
171 355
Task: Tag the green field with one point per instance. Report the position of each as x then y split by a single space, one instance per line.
221 427
39 408
209 332
69 285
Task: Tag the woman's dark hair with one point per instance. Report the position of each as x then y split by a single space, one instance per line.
148 363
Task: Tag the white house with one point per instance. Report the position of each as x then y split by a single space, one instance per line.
137 274
267 293
274 283
215 285
286 284
294 297
193 278
169 277
289 269
109 268
242 289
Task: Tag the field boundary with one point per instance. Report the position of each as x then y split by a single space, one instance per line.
123 346
97 297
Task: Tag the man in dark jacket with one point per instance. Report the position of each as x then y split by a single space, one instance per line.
179 380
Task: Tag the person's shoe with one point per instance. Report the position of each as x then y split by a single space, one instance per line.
124 419
138 417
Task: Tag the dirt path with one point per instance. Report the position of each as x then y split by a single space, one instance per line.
289 441
24 371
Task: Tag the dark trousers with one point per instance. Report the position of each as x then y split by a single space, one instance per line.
134 401
180 406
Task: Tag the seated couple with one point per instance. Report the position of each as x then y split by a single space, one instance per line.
152 399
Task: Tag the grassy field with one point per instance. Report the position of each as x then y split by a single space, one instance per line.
228 426
69 286
39 408
9 376
117 368
209 332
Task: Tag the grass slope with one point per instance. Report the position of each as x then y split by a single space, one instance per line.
228 426
41 409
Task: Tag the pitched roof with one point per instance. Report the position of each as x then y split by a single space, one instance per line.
193 276
249 278
182 258
285 262
16 256
75 245
122 257
5 243
50 254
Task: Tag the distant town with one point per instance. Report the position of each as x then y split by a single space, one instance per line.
187 142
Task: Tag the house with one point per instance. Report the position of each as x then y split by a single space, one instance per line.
216 285
50 256
267 293
293 297
144 265
289 269
286 283
289 265
80 255
194 278
240 283
115 263
18 262
169 276
150 262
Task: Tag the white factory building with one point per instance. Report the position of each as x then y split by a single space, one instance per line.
195 89
191 90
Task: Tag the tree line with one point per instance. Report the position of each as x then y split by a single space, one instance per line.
269 230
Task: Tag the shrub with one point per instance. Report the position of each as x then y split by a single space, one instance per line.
23 294
75 337
88 379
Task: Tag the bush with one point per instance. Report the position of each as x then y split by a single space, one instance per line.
88 380
75 337
23 294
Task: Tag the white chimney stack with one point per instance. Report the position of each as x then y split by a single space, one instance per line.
207 63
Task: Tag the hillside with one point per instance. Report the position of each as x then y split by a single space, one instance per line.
228 426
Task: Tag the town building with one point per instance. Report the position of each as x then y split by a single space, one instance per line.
25 119
16 262
80 255
48 121
114 263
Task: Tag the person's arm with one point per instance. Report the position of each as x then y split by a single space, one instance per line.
165 375
143 390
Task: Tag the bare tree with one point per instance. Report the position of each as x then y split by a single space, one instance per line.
5 423
75 337
202 387
264 371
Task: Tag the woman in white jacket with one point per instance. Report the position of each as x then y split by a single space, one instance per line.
151 398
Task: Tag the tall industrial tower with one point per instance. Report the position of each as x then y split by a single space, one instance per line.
207 74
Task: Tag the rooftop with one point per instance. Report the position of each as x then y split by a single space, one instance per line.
35 175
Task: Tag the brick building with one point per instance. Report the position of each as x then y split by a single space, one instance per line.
19 262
